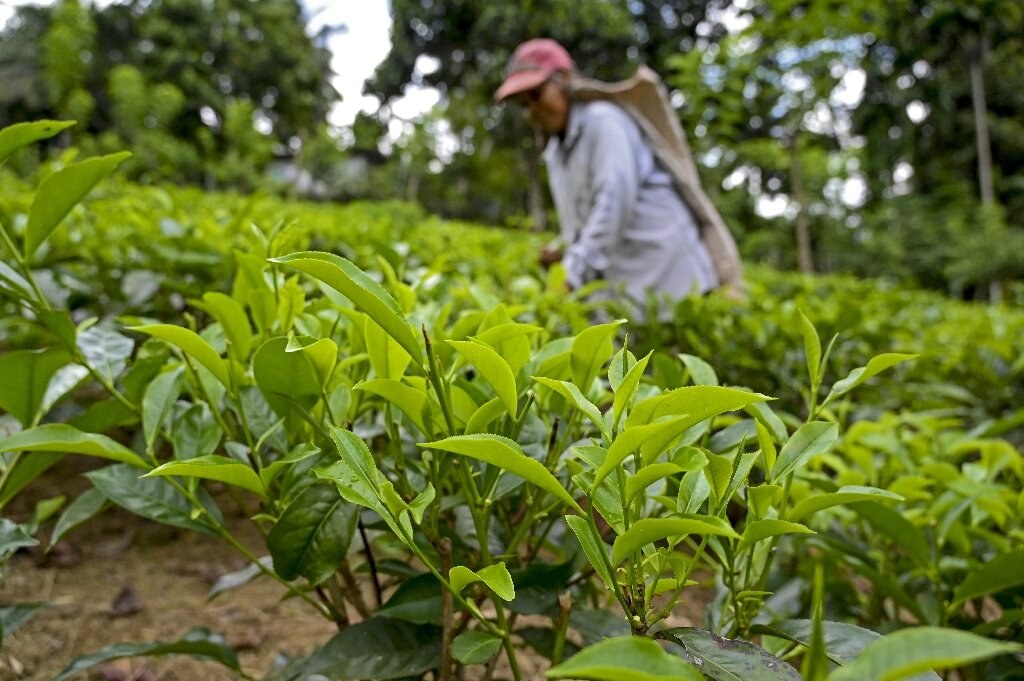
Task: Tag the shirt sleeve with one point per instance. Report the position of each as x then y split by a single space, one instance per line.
615 185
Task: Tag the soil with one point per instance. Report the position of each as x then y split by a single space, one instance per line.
120 578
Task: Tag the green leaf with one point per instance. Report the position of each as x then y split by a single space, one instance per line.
507 455
617 659
157 403
312 536
191 344
769 527
152 498
199 643
417 600
484 416
494 369
286 378
573 395
233 320
593 548
496 577
12 538
368 295
105 350
647 476
843 642
812 349
627 389
1004 571
904 535
19 135
411 401
24 470
653 437
475 646
904 653
88 504
26 373
301 452
701 373
60 192
875 365
387 356
590 350
62 438
724 659
844 495
810 440
698 402
621 363
12 617
419 505
213 467
377 648
649 530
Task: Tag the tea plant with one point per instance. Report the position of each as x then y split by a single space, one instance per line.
428 467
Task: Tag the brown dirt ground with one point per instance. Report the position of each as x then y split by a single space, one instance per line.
170 572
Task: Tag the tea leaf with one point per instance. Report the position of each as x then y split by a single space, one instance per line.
368 295
995 575
387 356
494 369
191 344
590 350
60 192
496 577
573 394
810 440
153 498
19 135
701 373
627 389
199 643
507 455
157 403
769 527
647 476
213 467
88 504
59 437
920 649
475 646
592 548
657 435
233 320
697 402
725 659
649 530
875 366
412 402
26 374
484 416
844 495
812 349
633 658
313 534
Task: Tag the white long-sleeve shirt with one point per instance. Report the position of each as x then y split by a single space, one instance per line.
621 218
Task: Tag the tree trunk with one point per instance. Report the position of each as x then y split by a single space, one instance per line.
538 215
805 255
977 63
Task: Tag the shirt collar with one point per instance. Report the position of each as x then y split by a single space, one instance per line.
573 130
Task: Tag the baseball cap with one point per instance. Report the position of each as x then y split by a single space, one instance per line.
531 64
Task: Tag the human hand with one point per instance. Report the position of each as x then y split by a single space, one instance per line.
549 255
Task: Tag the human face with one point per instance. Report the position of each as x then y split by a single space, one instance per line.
547 106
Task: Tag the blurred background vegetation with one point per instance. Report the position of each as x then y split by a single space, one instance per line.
872 137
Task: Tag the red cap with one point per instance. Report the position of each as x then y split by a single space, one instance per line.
533 63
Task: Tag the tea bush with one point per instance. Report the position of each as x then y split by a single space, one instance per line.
437 443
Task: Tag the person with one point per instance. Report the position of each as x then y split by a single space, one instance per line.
630 207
